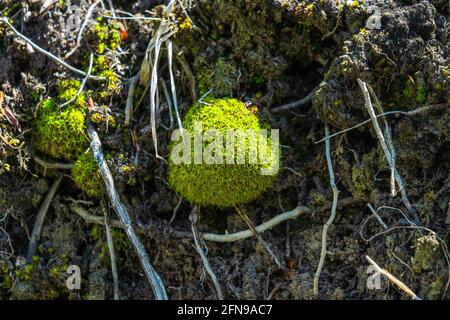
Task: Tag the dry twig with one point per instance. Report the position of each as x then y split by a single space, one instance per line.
258 236
153 277
393 279
295 104
52 165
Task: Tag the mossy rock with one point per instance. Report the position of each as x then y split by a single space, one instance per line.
227 184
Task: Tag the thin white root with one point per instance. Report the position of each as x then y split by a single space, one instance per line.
387 152
377 216
258 236
154 279
52 165
393 279
230 237
199 245
395 112
83 83
46 53
323 252
294 104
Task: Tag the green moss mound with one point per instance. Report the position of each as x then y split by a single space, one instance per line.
61 133
87 176
221 185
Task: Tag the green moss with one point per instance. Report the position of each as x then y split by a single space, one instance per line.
222 185
101 67
67 90
318 199
421 94
436 289
6 280
60 134
87 176
362 182
220 77
107 34
427 248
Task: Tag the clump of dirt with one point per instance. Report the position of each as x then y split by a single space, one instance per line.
267 53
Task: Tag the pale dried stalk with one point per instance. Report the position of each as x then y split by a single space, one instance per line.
393 279
386 150
323 251
130 99
53 165
155 281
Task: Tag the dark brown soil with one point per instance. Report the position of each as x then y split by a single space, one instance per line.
268 52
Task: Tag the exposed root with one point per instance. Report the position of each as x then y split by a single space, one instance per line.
199 245
255 232
395 112
83 83
231 237
387 151
40 218
323 252
295 104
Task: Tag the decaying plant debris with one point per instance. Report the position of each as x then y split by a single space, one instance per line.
137 66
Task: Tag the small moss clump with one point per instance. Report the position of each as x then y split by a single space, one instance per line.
427 250
221 185
61 133
87 176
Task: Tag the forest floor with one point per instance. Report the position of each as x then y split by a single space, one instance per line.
305 65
